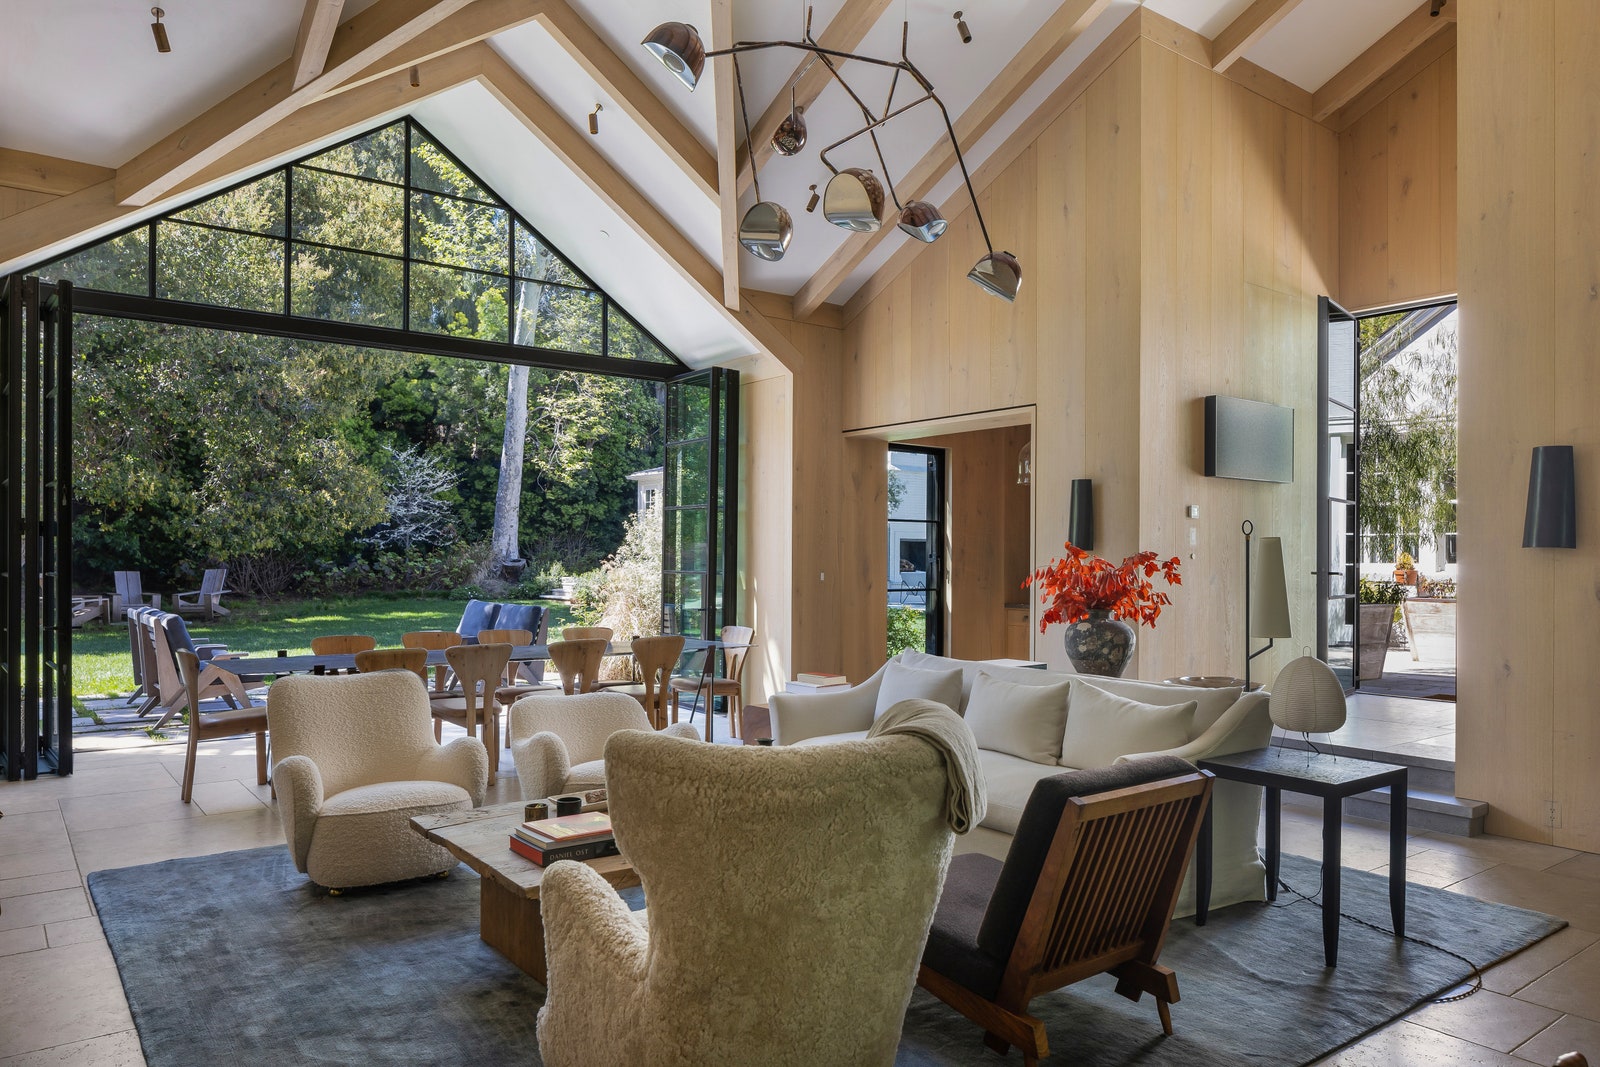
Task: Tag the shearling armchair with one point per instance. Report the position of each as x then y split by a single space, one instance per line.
356 760
789 892
559 742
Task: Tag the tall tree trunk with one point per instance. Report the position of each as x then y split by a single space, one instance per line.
508 497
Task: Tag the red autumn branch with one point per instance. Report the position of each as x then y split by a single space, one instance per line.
1072 587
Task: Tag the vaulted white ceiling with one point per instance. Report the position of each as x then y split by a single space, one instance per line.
81 79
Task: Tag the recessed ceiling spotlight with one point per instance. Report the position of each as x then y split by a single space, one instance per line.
162 44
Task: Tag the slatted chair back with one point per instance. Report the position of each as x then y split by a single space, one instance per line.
129 587
214 581
578 662
414 660
655 658
587 633
430 640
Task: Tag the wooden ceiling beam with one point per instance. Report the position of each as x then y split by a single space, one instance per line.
1253 23
727 149
373 33
1413 32
476 22
1425 56
1069 22
845 32
317 26
48 174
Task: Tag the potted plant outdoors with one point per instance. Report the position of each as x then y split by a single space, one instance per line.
1380 601
1405 569
1095 597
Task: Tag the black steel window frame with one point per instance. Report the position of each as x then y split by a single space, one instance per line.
721 505
933 608
1327 313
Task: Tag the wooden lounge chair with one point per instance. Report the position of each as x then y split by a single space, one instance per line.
215 725
1087 888
130 594
89 609
169 635
207 600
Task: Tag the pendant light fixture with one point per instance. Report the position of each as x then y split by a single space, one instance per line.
855 197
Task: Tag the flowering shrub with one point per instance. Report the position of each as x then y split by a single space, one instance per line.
1070 588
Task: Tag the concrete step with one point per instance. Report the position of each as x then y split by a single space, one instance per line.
1425 773
1440 812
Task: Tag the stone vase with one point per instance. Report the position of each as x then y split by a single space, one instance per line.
1100 644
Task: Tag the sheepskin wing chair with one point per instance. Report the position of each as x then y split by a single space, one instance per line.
789 895
559 742
356 759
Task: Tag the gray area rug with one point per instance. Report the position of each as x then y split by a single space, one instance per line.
234 959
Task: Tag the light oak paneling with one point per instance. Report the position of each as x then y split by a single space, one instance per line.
1397 194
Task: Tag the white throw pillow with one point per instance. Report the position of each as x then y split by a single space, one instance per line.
1102 726
1209 703
908 683
1020 720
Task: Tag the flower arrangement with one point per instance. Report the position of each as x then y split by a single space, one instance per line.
1070 588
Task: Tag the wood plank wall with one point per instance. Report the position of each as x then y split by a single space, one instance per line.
1528 738
1397 194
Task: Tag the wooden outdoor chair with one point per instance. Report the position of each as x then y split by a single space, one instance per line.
130 594
1088 886
578 662
215 725
428 641
480 668
654 660
731 685
587 633
89 609
342 645
415 660
207 600
510 689
172 693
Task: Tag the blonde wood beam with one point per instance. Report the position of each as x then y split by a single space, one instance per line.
1280 91
727 151
373 33
845 32
1229 46
1051 108
630 93
476 22
48 174
1069 22
30 235
1414 31
1425 55
317 24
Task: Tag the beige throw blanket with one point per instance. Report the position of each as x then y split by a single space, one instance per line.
966 798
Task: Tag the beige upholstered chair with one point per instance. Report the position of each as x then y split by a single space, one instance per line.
731 685
355 761
415 660
654 659
558 742
797 943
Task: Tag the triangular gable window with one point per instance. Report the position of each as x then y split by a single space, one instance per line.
385 231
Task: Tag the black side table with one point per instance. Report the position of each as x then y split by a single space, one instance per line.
1332 778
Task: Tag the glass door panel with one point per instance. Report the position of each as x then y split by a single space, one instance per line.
1338 447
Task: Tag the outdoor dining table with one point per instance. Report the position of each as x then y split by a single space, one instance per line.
346 661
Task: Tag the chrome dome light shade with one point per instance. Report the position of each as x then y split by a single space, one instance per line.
998 273
922 220
853 200
678 46
765 231
790 136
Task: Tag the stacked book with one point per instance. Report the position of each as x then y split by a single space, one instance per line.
585 836
818 683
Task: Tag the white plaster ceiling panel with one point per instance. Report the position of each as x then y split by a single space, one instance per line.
624 24
82 79
547 66
559 204
766 74
1318 39
1205 17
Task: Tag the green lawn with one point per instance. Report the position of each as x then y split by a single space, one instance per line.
101 665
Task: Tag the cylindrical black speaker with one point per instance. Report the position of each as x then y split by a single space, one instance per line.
1552 519
1080 524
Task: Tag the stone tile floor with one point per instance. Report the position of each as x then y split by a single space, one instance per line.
61 1001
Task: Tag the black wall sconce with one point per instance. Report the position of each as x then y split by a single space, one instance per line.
1080 521
1552 519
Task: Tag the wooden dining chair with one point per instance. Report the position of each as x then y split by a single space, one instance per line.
215 725
511 689
654 660
587 633
429 641
578 663
342 644
479 668
415 660
730 685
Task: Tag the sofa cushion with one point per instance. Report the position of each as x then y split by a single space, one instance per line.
970 670
1102 726
1008 781
1209 703
1020 720
828 739
901 682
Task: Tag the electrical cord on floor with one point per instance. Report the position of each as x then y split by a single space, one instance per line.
1477 972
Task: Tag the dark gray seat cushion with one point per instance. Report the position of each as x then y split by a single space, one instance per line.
952 948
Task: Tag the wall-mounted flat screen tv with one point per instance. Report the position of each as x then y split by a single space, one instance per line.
1248 439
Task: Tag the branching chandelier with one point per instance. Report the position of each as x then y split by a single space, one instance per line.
854 197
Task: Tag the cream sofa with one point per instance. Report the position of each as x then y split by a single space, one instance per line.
1222 721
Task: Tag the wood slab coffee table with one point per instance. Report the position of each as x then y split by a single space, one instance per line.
509 921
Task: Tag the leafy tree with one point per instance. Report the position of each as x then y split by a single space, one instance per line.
417 515
1408 442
